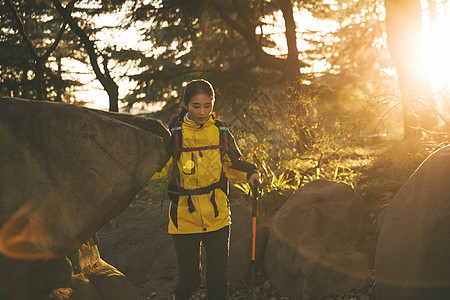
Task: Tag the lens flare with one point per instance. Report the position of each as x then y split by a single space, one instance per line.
23 235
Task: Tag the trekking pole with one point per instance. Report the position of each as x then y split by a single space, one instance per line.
255 196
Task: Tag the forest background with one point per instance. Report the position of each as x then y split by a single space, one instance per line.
348 90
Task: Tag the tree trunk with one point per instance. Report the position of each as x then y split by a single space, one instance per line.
292 70
60 86
113 93
39 76
404 35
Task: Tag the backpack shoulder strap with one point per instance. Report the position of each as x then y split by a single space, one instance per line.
223 129
175 128
221 124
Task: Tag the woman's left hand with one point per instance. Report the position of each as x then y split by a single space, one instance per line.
254 180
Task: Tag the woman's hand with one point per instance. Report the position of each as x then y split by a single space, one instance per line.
254 180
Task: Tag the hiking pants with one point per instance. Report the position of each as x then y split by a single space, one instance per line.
188 249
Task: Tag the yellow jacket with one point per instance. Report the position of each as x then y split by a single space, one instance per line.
199 208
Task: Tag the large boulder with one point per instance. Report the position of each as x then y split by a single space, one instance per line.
65 172
413 252
312 248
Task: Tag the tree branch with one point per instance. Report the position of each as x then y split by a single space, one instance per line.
289 66
40 60
84 39
242 9
69 9
21 29
104 77
250 37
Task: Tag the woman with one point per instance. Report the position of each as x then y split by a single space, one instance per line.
202 155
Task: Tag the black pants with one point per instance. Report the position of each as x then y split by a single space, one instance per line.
188 251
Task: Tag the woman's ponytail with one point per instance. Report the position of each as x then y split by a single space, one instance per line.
181 115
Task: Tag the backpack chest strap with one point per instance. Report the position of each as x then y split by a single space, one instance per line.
222 184
202 190
199 149
223 136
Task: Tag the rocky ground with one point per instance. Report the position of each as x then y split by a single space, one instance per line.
264 290
127 238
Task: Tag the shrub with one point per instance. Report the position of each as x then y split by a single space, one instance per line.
293 144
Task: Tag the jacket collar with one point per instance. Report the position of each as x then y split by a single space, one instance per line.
191 124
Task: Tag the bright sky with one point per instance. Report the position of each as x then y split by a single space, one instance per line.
436 46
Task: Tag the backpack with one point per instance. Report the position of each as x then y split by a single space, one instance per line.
174 190
176 130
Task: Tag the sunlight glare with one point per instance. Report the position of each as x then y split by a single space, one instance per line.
436 48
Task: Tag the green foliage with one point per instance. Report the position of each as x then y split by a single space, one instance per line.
273 184
344 173
157 189
294 143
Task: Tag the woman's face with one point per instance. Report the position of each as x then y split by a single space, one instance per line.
200 108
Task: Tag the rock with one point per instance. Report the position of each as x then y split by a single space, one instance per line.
142 249
311 252
65 172
85 278
413 252
145 123
110 283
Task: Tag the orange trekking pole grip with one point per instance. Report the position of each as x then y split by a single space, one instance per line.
255 196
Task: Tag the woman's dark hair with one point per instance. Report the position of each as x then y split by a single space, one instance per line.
195 87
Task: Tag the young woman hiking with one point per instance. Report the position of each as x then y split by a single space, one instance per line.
202 155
